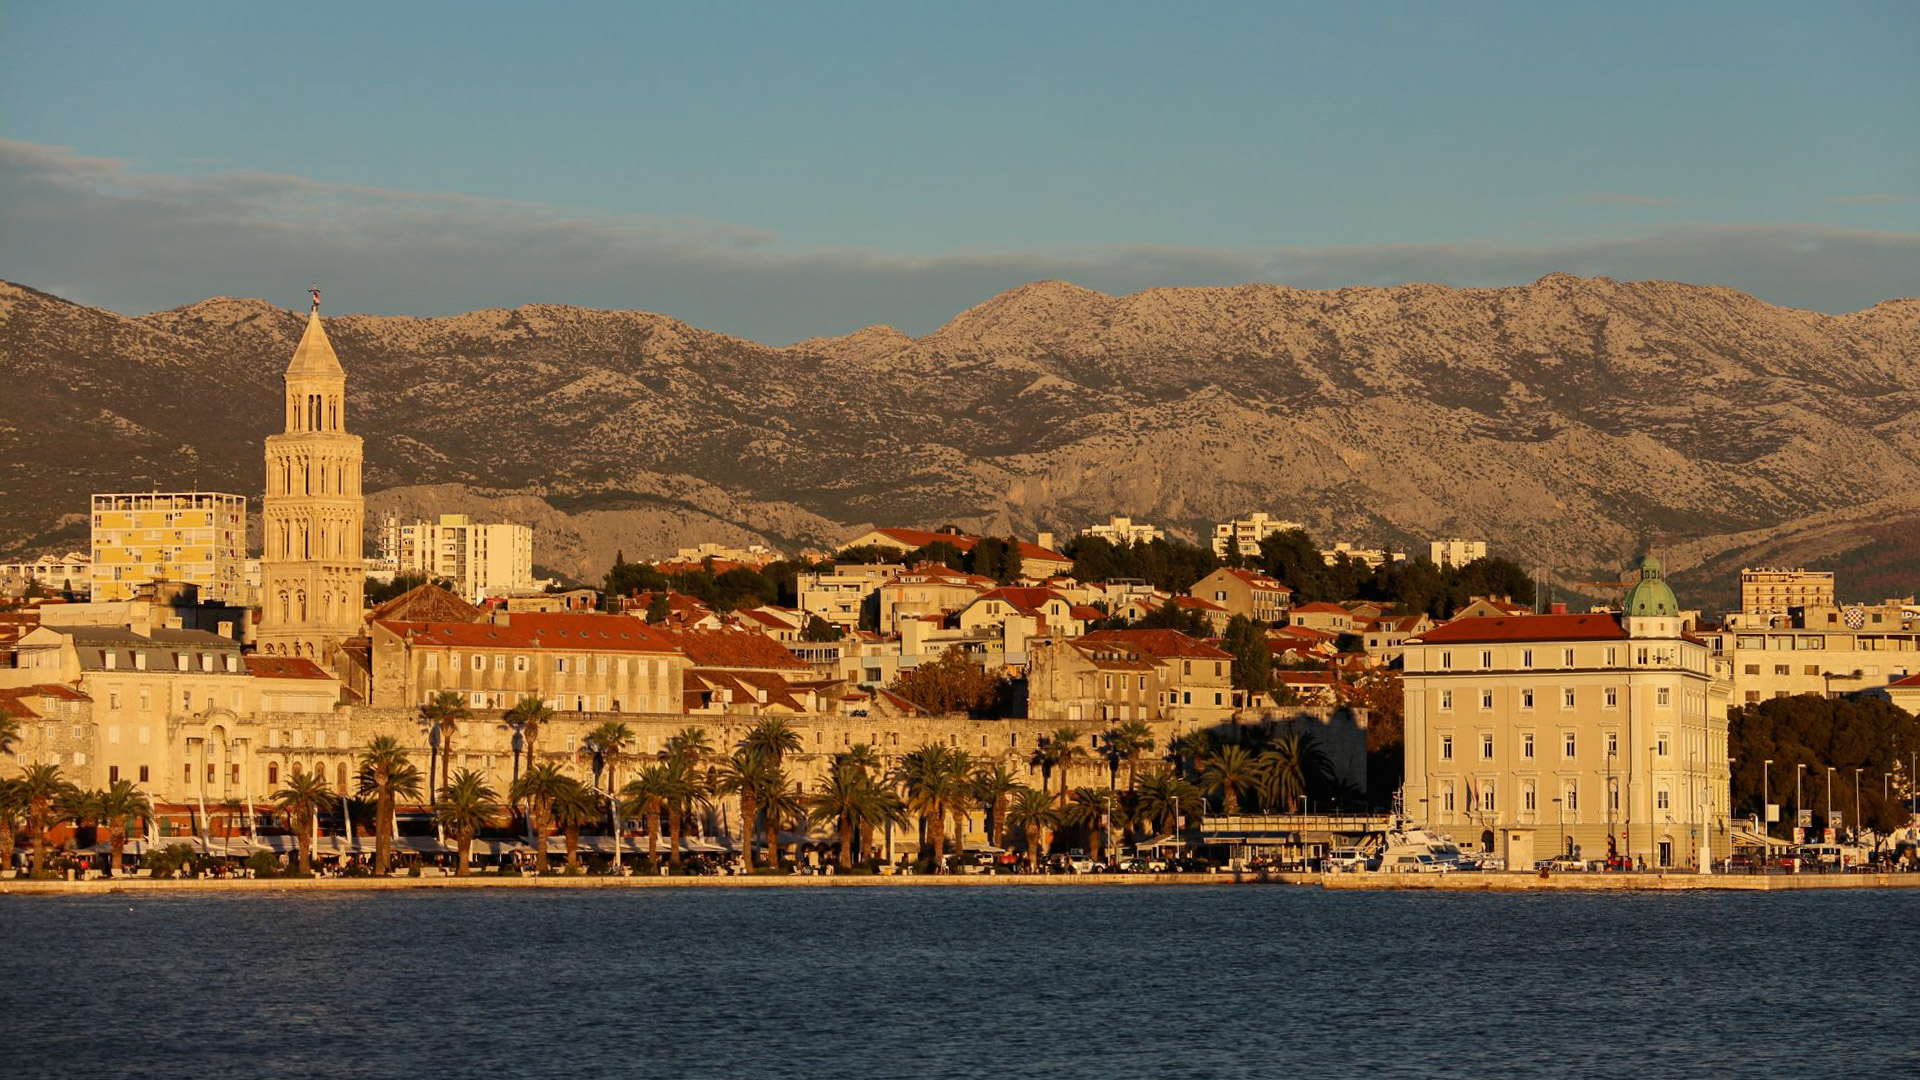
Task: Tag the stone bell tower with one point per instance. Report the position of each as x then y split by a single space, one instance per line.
312 575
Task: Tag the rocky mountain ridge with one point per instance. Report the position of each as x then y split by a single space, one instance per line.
1571 421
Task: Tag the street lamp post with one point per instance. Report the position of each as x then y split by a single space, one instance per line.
1799 770
1856 802
1829 821
1766 799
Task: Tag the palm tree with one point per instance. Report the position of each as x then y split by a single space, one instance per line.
644 797
1033 813
1162 796
782 802
1063 746
574 805
119 804
689 745
12 806
387 776
466 805
438 720
610 742
772 738
1132 740
42 791
848 798
538 788
9 732
746 775
931 784
525 719
303 798
1229 771
861 755
1087 807
686 793
991 787
1189 750
1283 772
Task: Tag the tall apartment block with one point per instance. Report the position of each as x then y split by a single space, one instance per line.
197 537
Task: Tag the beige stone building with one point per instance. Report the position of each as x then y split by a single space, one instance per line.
573 662
1536 735
1821 650
312 570
1161 676
1247 533
1245 592
1124 530
480 559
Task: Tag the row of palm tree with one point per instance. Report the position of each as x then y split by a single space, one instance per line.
42 798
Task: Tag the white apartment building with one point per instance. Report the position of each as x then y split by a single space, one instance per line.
1456 552
839 595
1774 590
1122 530
74 570
1248 532
481 560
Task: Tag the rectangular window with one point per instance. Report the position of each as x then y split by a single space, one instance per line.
1446 701
1570 745
1526 658
1566 698
1613 656
1446 798
1526 699
1486 699
1486 658
143 774
1782 669
479 662
1613 697
1613 742
1446 748
433 661
1661 800
1446 659
1753 669
113 699
1573 797
1529 799
499 662
1526 745
560 664
1660 743
1486 746
1567 658
519 663
1486 796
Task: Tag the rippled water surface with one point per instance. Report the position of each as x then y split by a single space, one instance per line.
1030 982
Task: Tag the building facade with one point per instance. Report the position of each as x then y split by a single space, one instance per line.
1245 592
481 560
312 569
70 572
1537 735
1456 552
1776 591
1121 530
198 537
1247 532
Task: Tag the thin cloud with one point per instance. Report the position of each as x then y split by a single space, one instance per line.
1601 198
99 233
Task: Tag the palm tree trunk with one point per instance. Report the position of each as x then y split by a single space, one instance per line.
673 835
542 829
117 843
746 829
936 825
383 835
464 845
1033 848
7 829
651 822
773 841
573 847
305 840
39 828
846 843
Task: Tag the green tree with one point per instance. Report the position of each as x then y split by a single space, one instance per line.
932 781
13 808
1229 771
850 800
439 717
1064 751
574 805
1281 773
771 738
303 798
43 791
386 776
992 787
538 789
1033 813
644 798
467 804
1132 740
1846 733
782 802
1087 808
609 743
745 776
951 683
659 608
1162 797
528 717
1252 659
116 807
819 629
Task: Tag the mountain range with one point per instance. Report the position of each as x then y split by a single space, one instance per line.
1572 422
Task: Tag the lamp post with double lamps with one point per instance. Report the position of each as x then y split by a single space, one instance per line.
1766 799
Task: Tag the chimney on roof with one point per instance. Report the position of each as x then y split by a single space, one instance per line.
502 617
1557 609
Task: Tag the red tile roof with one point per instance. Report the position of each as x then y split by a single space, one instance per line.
1257 580
1485 629
1160 644
1911 680
424 603
919 538
735 649
1086 612
1195 603
1321 607
573 631
284 667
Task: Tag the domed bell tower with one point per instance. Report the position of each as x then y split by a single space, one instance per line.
312 573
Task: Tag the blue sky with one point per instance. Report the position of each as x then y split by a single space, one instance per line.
781 171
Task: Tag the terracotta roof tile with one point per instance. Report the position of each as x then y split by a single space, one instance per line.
1491 629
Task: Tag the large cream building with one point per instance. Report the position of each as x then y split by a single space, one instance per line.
199 537
312 567
1537 735
480 559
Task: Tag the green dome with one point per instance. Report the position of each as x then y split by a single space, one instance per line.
1650 595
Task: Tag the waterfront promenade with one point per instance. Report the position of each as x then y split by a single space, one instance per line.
1465 882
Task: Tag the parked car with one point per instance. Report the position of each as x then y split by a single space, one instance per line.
1562 863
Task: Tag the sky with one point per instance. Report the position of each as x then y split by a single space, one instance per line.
783 171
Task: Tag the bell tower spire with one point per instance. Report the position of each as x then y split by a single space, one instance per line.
312 576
